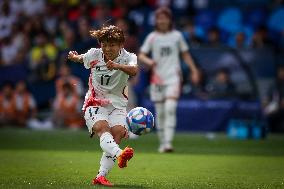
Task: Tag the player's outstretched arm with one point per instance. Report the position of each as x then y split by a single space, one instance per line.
189 61
75 57
128 69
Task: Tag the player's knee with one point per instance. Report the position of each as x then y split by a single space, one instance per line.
118 133
117 136
100 127
117 139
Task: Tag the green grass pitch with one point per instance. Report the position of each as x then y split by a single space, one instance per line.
70 159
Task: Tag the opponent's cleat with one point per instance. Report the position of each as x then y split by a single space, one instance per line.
102 181
125 156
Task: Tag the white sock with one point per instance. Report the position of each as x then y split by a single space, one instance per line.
108 145
170 121
160 116
107 163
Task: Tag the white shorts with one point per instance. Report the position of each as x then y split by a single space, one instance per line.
108 113
159 93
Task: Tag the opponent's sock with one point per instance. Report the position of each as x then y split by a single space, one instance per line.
170 121
160 116
108 145
107 163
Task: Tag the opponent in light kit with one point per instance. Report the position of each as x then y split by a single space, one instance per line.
165 45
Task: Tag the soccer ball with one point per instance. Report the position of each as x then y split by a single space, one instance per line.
140 121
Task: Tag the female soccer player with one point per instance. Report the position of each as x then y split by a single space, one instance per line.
165 44
106 100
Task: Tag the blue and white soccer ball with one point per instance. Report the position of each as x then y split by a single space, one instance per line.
140 121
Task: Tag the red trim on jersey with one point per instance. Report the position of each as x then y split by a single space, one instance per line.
93 63
92 100
123 93
155 78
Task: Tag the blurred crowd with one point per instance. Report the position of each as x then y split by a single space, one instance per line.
38 34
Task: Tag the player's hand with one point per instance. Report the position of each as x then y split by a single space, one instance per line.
195 77
150 64
73 56
112 65
153 63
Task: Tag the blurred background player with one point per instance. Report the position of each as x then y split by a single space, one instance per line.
106 100
166 44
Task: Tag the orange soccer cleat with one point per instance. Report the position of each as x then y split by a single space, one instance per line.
125 156
102 181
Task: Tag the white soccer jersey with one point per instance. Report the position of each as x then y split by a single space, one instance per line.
107 86
165 49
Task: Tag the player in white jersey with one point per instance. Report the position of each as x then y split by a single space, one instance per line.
165 46
106 100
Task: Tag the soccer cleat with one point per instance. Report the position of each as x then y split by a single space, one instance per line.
166 149
102 181
125 156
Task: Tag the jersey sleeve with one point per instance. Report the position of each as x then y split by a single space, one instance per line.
89 56
132 60
147 45
182 43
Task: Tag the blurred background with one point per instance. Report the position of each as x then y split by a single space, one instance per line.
238 45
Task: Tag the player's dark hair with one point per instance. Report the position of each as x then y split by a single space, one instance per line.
167 12
109 33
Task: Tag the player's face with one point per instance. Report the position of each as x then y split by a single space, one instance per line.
110 50
163 22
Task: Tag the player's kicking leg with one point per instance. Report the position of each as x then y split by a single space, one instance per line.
109 144
107 162
97 124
